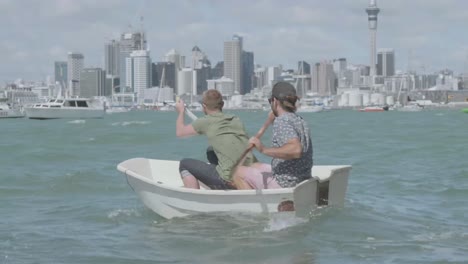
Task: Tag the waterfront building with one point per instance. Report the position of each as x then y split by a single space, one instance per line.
233 61
93 83
247 71
75 65
386 62
138 75
61 73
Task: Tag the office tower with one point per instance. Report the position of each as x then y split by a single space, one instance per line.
112 58
198 58
218 70
203 75
303 68
139 73
372 12
386 62
224 85
185 81
261 77
272 74
247 71
233 61
339 65
93 83
128 43
75 65
323 79
169 70
61 73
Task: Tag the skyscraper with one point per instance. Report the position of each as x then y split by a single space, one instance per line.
61 73
247 71
128 43
323 79
218 70
112 58
372 12
170 75
303 68
139 73
233 61
75 65
386 62
93 83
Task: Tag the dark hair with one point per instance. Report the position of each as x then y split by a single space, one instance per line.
288 103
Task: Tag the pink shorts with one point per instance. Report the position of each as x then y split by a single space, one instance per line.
260 176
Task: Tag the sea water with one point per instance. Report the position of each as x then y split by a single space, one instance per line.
63 201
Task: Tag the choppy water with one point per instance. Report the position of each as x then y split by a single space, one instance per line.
63 201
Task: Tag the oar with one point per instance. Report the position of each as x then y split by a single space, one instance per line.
190 114
239 183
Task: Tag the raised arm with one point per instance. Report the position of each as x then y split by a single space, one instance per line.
183 130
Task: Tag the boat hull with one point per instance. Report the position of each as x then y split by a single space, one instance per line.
72 112
11 114
157 183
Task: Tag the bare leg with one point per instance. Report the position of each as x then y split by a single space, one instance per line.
190 182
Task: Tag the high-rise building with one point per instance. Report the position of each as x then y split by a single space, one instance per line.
198 58
273 73
139 73
386 62
218 70
323 79
303 68
203 75
93 83
261 77
372 12
339 65
75 65
112 58
186 81
247 71
128 43
157 70
61 73
233 61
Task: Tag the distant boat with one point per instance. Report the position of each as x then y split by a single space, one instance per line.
374 109
9 112
159 186
79 108
310 109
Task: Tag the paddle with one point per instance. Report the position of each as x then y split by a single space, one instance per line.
238 182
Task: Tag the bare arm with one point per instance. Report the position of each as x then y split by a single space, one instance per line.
183 130
291 150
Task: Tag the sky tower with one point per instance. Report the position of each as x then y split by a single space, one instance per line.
372 12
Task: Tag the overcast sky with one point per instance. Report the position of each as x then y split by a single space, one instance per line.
35 33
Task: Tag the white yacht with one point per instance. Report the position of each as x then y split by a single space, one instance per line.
79 108
9 112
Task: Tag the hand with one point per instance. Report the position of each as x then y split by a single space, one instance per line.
180 106
257 143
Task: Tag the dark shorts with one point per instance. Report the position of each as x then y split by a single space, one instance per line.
204 172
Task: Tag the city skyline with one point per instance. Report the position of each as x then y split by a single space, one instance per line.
277 32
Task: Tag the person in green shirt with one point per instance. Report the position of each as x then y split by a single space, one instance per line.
225 133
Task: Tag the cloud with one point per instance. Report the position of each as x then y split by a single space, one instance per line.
277 31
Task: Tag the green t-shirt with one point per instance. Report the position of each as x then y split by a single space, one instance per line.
226 134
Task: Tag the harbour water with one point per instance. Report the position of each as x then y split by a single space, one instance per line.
63 201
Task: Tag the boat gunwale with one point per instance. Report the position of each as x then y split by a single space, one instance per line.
129 172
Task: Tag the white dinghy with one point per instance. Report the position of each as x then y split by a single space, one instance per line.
159 186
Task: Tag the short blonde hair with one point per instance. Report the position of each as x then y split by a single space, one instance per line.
213 99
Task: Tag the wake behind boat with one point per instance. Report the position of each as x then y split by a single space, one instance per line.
79 108
6 111
158 184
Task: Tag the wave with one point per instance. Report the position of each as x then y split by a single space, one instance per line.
78 121
128 123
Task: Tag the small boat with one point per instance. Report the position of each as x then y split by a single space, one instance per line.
310 109
6 111
158 185
80 108
374 109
